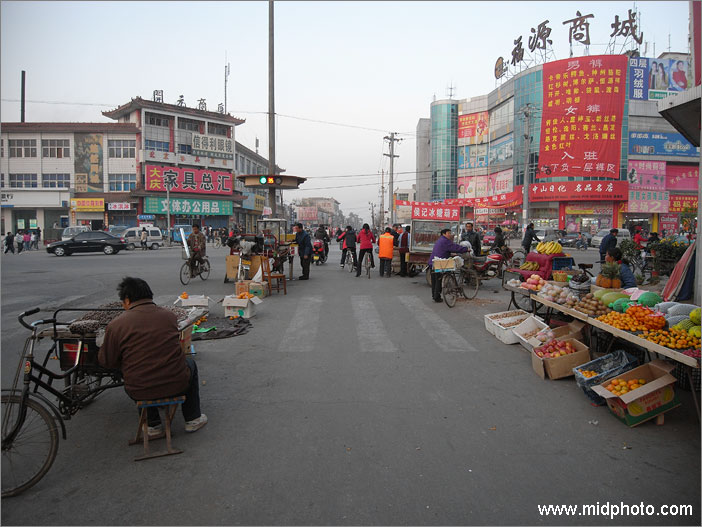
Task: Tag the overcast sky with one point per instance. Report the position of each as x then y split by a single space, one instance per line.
374 65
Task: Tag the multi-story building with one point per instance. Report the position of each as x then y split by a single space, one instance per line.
633 167
403 213
56 174
423 160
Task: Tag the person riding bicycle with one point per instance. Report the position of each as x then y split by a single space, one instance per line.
321 234
197 243
639 239
366 241
499 242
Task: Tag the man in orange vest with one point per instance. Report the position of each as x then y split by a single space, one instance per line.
385 244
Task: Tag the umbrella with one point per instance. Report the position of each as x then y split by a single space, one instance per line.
509 222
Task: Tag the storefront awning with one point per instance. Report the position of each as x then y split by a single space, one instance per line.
683 112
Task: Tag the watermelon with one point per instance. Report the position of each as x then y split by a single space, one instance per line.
621 304
650 299
695 316
612 296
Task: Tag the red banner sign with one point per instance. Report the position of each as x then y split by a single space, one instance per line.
473 125
581 122
679 203
668 223
434 211
682 177
580 191
192 180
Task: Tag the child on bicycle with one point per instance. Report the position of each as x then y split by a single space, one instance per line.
197 243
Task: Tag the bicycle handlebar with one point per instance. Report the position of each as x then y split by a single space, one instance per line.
29 313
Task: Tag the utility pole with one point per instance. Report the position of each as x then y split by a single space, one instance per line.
392 157
226 76
526 113
382 198
22 98
372 205
271 110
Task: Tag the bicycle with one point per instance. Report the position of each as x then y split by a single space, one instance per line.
217 242
367 264
30 434
349 261
463 281
198 269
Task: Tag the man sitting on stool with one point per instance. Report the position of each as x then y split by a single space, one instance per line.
144 343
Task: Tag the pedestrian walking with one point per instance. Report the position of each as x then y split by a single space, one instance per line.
19 240
33 241
443 248
27 239
304 247
38 237
143 236
529 237
385 249
608 242
402 248
348 237
9 243
366 241
471 236
338 233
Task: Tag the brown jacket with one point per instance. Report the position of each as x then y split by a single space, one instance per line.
144 344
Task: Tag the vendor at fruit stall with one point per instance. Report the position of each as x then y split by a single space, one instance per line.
614 254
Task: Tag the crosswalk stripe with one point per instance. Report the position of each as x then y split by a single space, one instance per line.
301 335
372 336
437 328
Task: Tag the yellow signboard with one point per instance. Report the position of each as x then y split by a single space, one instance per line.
88 205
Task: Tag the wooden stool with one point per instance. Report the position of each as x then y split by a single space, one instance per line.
270 276
166 409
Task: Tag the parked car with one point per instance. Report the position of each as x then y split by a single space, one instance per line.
117 230
154 237
571 238
623 234
70 232
175 233
489 238
550 235
86 242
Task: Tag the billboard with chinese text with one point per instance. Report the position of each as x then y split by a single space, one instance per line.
580 190
190 207
581 122
500 182
682 177
646 175
434 211
88 162
472 156
648 201
306 213
466 187
652 79
192 180
683 203
501 151
474 126
661 144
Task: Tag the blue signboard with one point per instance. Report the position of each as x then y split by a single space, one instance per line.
661 144
472 156
501 151
146 217
638 78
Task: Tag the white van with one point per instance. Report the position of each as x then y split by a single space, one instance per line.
70 232
132 236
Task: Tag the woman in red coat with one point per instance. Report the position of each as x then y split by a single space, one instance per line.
366 241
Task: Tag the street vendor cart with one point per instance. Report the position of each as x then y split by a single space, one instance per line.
423 236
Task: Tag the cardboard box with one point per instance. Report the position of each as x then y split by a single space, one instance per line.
261 290
562 366
491 320
439 263
242 286
194 301
654 398
506 334
573 330
530 324
186 337
240 307
232 262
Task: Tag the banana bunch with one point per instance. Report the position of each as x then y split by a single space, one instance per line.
529 266
549 248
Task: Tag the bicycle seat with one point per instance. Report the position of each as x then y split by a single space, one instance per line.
584 266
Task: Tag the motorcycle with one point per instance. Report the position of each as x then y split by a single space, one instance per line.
319 255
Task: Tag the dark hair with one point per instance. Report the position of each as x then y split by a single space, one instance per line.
613 231
134 289
530 226
444 231
616 253
299 225
196 225
349 228
366 227
498 230
388 230
407 229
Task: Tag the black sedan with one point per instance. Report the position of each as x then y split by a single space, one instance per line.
87 242
570 239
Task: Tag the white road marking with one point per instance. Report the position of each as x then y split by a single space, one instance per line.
301 335
433 325
372 336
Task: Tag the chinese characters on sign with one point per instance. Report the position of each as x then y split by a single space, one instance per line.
653 79
119 206
191 180
188 206
88 205
582 117
646 175
580 190
648 201
661 144
681 203
434 211
474 126
579 29
682 177
213 146
88 162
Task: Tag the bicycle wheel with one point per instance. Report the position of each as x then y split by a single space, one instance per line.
217 243
367 264
518 258
471 283
185 274
205 269
28 457
427 276
449 289
349 262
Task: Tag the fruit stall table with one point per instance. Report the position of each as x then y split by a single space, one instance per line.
545 262
688 362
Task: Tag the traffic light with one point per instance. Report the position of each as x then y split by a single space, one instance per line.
270 180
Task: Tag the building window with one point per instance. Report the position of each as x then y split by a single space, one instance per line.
185 149
122 182
159 146
59 148
2 180
23 147
2 148
56 180
122 148
155 119
248 167
189 124
217 129
23 180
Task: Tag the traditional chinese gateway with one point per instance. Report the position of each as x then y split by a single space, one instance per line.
598 153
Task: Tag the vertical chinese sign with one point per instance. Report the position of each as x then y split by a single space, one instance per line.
88 162
581 120
474 126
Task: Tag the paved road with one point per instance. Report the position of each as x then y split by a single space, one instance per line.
351 401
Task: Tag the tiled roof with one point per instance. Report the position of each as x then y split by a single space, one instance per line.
138 102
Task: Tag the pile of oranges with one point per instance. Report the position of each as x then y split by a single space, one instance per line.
184 295
636 318
677 339
245 295
620 386
588 373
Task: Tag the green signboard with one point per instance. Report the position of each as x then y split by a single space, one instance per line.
188 207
